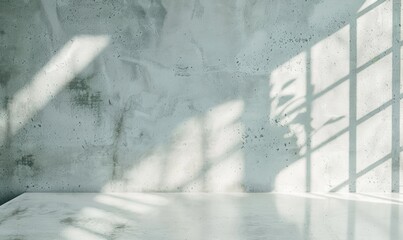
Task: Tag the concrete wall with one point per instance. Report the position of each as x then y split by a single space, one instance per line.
200 95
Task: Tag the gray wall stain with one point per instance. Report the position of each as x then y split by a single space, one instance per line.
83 96
117 141
68 221
5 76
26 160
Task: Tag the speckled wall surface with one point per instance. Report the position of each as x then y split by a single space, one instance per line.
200 95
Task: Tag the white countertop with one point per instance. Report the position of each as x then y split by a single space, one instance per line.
202 216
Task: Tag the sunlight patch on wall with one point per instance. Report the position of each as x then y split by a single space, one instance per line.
202 154
77 54
288 94
374 32
330 110
184 158
226 174
223 128
330 70
292 178
374 98
374 86
287 91
288 88
373 145
330 61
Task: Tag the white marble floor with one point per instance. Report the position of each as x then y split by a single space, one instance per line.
202 216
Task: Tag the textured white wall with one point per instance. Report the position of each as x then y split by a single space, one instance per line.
200 96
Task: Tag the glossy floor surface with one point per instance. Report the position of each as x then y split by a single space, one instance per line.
202 216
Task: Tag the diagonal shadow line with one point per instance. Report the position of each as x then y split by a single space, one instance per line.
362 172
374 59
370 7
